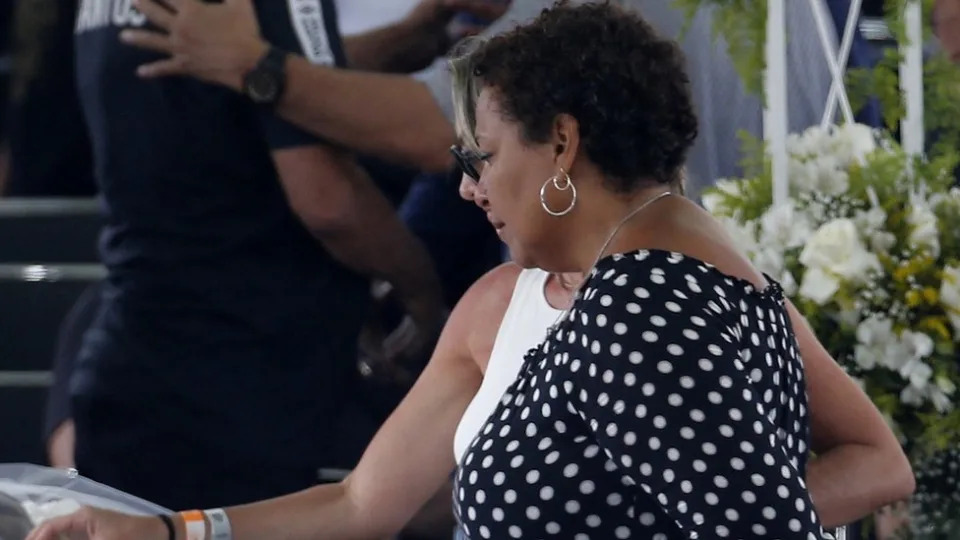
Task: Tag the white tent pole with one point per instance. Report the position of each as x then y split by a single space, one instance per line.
775 115
838 64
911 80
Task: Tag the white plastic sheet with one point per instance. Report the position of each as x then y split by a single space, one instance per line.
30 494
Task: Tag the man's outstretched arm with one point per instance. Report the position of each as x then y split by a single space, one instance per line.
395 117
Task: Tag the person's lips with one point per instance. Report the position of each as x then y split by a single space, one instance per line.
497 224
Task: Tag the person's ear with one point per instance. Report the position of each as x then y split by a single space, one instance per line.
565 140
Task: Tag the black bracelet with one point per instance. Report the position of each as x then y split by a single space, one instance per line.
171 530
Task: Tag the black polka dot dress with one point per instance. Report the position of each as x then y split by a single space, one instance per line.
670 403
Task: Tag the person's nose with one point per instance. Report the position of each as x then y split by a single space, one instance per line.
470 190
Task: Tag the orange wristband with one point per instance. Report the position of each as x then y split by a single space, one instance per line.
195 525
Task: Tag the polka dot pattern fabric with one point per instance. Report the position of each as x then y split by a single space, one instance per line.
669 403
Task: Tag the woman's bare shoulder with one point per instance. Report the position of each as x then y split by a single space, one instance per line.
477 316
490 295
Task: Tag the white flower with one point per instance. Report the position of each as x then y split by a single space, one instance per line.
816 211
917 344
945 385
941 401
849 317
874 222
950 296
712 201
836 247
818 285
923 225
811 142
875 342
852 143
874 218
768 260
881 241
784 227
743 234
834 254
911 395
917 372
821 174
788 282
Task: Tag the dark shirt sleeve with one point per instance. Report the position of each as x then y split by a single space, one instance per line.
307 28
658 379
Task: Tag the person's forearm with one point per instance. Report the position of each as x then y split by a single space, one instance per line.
320 512
393 117
369 237
850 482
390 116
402 47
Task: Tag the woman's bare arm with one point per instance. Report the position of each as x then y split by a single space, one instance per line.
406 463
412 455
860 465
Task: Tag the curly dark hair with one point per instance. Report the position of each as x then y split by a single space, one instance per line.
609 69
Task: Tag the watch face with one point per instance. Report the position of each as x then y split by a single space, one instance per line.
262 86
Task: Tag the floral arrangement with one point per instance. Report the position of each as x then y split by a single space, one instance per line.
936 504
868 248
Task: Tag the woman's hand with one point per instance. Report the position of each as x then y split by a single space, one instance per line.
95 524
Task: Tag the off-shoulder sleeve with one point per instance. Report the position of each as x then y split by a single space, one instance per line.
655 370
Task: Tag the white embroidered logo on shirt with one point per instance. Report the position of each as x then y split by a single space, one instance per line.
96 14
308 22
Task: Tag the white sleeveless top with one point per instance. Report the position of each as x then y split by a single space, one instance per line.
524 326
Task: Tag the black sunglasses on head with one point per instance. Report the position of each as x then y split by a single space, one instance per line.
466 160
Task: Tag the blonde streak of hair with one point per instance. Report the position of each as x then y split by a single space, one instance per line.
465 94
679 184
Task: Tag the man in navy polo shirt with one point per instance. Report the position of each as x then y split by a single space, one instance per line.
237 249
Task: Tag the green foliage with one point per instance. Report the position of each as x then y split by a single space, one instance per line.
742 24
941 84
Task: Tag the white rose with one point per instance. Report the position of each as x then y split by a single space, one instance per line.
819 285
835 248
950 297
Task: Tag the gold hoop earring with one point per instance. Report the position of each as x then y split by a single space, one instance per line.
561 182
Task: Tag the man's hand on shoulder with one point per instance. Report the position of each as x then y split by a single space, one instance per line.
216 43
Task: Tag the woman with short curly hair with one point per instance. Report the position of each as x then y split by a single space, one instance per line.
667 402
